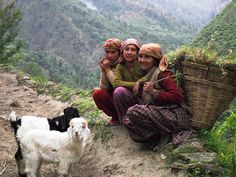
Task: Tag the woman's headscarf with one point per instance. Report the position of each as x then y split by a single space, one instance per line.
154 50
112 43
130 41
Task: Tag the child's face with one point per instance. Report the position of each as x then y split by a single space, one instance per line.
112 54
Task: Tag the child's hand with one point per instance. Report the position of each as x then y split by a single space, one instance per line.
104 64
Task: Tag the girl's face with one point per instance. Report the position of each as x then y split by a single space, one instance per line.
146 61
130 53
112 54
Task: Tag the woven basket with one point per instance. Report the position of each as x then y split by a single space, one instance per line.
207 91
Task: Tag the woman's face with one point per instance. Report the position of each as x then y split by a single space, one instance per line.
112 54
130 53
146 61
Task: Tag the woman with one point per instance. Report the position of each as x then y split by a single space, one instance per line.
103 96
127 72
161 115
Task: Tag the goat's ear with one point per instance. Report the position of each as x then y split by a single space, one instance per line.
66 110
86 134
84 124
69 131
71 112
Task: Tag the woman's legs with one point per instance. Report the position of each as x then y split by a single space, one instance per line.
104 101
123 99
140 127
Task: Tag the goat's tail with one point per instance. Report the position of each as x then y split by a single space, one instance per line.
15 123
12 116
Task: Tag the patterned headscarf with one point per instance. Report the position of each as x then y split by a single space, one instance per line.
113 43
128 42
154 50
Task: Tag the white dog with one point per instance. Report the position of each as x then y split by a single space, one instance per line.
53 146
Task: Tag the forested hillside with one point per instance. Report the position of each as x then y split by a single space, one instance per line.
219 35
190 14
65 37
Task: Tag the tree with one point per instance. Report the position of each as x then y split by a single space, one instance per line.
10 16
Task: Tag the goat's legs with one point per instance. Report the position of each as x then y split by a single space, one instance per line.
32 165
63 168
39 174
20 162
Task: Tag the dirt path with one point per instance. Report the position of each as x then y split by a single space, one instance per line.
118 157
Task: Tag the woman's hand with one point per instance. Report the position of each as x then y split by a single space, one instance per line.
137 90
148 87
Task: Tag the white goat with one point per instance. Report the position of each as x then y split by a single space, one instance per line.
59 123
53 146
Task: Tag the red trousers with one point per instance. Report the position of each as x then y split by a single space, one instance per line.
104 101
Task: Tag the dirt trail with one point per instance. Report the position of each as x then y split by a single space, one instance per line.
118 157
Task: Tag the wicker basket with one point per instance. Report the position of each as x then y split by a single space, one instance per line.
207 91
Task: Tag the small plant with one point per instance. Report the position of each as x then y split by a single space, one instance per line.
87 108
198 172
86 105
104 132
222 140
93 117
66 93
41 84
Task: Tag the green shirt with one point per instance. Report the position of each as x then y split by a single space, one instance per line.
127 78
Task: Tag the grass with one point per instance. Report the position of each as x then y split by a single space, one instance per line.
201 56
222 140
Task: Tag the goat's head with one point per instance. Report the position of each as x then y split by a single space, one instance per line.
69 113
79 129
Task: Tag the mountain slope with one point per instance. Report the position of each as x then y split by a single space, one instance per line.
147 17
175 15
220 35
69 37
65 37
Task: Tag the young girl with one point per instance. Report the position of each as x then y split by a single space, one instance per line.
103 96
127 73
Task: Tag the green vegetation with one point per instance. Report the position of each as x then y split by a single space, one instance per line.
222 140
219 35
198 172
202 55
65 41
51 67
147 17
10 16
